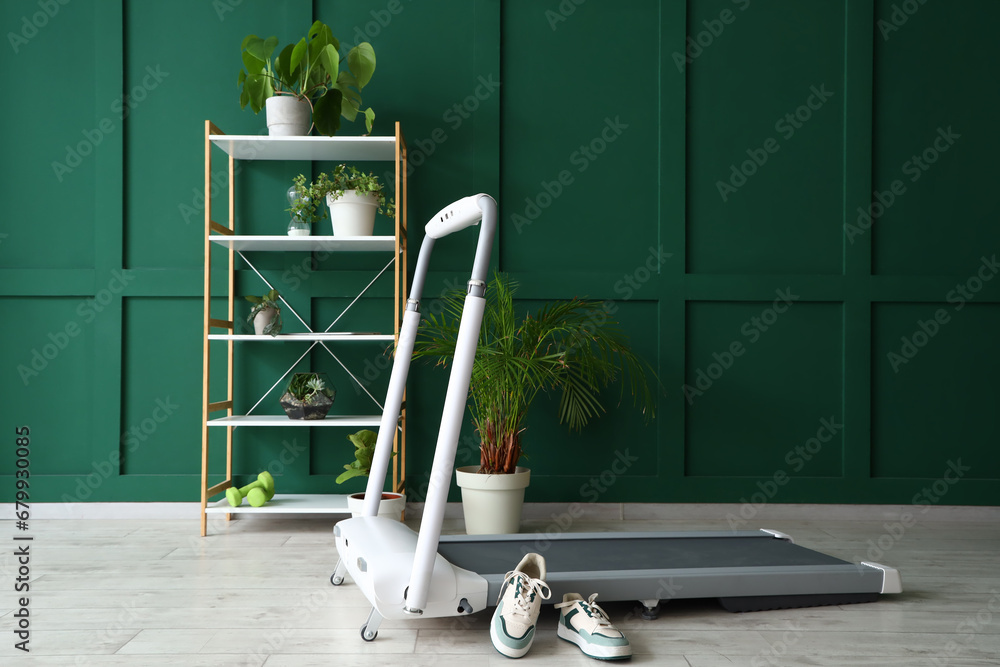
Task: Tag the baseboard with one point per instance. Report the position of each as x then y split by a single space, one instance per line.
734 512
752 514
55 511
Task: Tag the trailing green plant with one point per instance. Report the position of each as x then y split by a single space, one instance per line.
344 177
310 69
307 387
364 449
308 205
571 347
260 303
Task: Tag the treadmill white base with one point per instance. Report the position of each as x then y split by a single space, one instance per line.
378 554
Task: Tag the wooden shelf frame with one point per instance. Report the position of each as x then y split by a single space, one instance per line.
253 147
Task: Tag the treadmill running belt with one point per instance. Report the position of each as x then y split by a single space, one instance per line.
669 553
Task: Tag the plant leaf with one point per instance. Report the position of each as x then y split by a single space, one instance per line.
254 46
283 69
253 64
361 60
349 93
314 29
345 80
351 472
369 118
298 52
330 60
348 108
258 88
326 112
269 45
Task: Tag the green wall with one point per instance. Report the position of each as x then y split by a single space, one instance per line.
702 167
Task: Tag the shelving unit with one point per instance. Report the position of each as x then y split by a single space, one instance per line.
253 147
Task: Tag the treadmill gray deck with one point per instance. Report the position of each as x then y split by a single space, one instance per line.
666 565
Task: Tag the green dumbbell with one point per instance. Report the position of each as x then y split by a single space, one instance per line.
261 494
264 483
257 496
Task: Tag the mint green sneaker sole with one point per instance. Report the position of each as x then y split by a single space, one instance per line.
504 649
593 650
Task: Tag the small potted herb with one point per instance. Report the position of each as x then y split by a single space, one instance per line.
305 207
392 504
308 396
265 314
353 197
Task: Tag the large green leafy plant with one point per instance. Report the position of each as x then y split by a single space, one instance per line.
310 69
571 347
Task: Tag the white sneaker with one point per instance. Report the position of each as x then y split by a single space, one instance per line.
513 626
586 625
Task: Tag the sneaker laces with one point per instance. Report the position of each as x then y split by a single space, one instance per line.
524 594
593 610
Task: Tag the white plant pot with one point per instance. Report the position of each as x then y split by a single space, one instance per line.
287 116
262 319
391 508
352 214
492 503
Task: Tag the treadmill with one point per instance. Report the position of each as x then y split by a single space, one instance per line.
410 575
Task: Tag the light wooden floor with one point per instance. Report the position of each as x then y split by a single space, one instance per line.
257 592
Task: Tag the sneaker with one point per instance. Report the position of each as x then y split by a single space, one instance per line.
513 626
586 625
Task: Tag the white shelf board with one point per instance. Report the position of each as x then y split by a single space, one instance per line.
283 420
308 337
307 243
260 147
287 503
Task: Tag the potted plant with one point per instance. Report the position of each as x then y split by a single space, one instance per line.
305 207
307 80
308 396
392 504
571 347
265 314
353 197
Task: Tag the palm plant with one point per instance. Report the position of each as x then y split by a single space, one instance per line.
569 346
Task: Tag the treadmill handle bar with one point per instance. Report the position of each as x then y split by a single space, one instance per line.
457 395
390 413
452 218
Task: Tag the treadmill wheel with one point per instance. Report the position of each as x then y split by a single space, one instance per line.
365 635
335 580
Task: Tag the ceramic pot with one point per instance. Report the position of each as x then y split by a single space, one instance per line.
492 503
